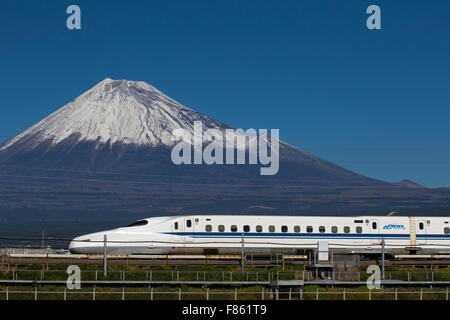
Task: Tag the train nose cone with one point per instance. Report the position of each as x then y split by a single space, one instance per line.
74 245
92 243
79 243
72 248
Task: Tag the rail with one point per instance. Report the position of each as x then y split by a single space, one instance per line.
152 293
232 277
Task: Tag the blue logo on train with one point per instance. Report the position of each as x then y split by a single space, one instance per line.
394 226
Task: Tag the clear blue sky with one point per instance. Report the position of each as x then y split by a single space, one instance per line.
375 102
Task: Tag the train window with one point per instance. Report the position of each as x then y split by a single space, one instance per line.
421 225
271 228
321 229
259 228
297 229
334 229
374 225
309 229
358 229
246 228
347 229
446 230
233 228
221 228
284 229
208 228
188 223
176 225
137 223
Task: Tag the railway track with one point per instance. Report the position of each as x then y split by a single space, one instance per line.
148 260
213 260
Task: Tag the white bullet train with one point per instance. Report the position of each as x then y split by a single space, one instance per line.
224 234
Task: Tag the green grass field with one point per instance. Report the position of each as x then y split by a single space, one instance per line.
36 272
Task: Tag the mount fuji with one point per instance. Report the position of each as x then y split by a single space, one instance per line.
118 120
114 111
108 152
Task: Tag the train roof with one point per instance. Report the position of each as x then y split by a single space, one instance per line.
292 216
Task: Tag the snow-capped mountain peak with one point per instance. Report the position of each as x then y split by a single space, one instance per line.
132 112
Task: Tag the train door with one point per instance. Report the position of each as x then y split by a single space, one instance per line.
374 228
188 229
421 232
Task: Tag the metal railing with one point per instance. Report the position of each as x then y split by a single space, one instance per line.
218 294
6 251
225 276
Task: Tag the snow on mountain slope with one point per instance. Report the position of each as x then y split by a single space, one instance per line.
113 111
133 117
127 112
109 152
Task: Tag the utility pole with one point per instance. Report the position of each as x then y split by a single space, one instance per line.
42 239
242 254
382 258
105 260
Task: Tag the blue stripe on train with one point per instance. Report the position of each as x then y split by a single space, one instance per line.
304 235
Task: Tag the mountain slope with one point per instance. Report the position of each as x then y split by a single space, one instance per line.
108 152
122 125
123 111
